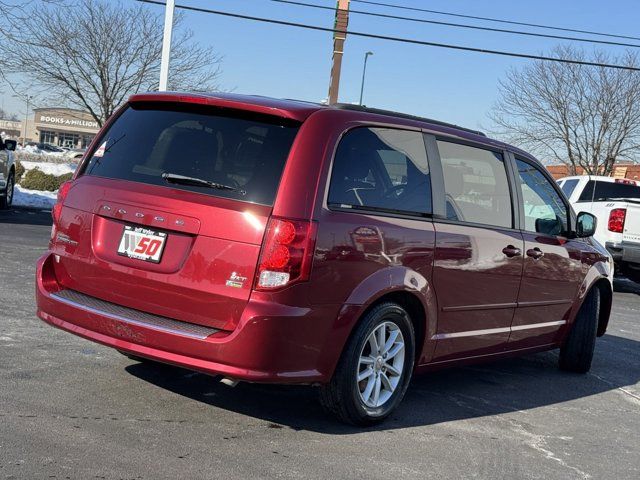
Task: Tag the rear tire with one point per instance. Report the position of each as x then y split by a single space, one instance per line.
388 366
7 199
577 352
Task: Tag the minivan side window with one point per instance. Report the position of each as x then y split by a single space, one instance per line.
544 210
476 185
381 169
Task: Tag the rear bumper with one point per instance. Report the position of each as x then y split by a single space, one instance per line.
624 252
272 343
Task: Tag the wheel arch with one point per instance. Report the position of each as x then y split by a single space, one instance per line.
595 279
410 302
606 299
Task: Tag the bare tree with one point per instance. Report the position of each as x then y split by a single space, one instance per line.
95 53
4 115
581 116
13 12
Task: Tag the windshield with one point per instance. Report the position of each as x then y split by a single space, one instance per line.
234 149
608 190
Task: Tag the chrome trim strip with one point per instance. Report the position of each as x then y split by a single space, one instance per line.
538 325
132 321
491 331
471 333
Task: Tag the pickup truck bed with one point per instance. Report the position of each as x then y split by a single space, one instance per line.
616 205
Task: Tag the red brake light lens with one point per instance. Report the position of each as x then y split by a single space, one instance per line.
617 217
625 181
56 211
287 253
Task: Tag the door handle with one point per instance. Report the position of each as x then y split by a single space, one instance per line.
535 253
511 251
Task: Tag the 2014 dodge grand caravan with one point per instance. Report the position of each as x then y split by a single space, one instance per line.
282 241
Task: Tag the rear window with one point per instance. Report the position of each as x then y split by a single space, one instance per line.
608 190
568 186
243 154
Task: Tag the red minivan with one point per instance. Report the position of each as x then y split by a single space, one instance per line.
281 241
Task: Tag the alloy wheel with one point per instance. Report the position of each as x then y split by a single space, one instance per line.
381 364
9 193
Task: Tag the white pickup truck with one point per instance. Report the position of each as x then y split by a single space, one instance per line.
615 202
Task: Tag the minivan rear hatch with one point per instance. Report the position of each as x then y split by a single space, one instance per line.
168 211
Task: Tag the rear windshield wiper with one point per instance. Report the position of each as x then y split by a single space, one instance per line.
199 182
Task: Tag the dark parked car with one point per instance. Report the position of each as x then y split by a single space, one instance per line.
46 147
7 172
344 247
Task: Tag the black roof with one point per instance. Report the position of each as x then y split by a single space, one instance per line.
390 113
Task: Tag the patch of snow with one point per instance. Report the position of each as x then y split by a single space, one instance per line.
50 168
33 198
35 150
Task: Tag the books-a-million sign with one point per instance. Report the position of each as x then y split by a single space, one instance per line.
67 121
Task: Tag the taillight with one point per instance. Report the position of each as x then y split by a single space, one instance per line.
616 220
57 208
287 253
625 181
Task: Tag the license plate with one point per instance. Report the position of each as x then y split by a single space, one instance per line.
142 244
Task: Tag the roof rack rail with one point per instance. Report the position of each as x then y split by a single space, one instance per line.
390 113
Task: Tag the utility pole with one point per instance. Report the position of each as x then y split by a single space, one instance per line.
341 23
166 44
27 99
364 72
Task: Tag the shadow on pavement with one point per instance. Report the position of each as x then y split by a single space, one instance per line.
25 216
448 395
624 285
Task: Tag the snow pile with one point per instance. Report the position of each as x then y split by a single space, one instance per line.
34 149
23 197
50 168
33 198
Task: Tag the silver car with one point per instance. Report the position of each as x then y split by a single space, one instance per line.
7 172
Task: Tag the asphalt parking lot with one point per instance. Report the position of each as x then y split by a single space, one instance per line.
71 409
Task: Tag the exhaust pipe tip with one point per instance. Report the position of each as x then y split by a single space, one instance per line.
229 382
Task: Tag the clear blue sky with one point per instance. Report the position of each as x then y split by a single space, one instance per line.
449 85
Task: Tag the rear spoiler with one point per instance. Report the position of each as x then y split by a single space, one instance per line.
260 105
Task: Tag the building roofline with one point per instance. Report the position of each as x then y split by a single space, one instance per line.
61 108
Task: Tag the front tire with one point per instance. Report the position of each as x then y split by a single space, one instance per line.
577 352
7 199
375 368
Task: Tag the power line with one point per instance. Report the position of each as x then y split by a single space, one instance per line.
496 20
396 39
461 25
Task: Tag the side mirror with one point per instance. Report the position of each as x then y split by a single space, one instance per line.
10 145
586 225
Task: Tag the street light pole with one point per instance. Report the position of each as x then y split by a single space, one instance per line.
364 72
166 44
28 99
